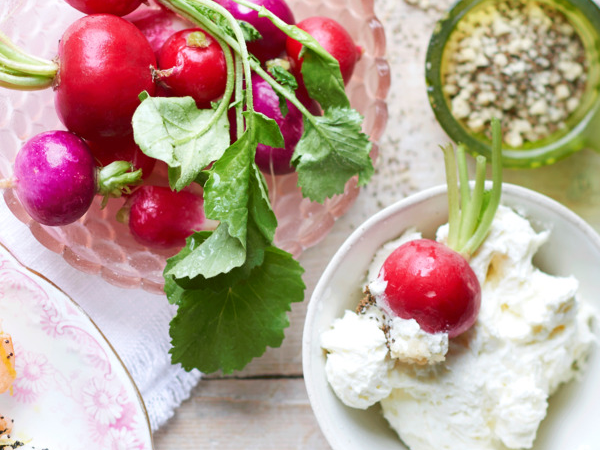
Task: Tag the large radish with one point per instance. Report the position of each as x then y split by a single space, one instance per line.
104 63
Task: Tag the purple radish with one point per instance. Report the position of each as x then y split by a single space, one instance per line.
56 178
266 101
272 42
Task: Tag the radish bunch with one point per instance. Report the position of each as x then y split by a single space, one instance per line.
219 103
432 282
104 62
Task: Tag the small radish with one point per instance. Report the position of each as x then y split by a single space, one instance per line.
431 282
333 37
192 64
104 62
56 178
106 151
271 160
161 218
272 41
266 101
116 7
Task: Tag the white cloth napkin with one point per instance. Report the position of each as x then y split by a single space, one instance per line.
135 322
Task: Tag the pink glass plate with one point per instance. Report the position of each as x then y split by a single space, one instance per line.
97 243
71 387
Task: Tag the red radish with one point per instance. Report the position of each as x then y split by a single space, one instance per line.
272 41
55 177
116 7
106 151
162 218
105 63
333 37
192 64
433 283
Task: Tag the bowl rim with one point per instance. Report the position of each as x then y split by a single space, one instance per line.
516 192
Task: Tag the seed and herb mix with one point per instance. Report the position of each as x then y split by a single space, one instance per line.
521 61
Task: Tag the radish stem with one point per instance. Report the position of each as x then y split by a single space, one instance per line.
115 179
465 233
463 176
473 209
488 216
22 71
453 195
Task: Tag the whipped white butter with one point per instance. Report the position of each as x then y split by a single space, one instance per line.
358 364
491 390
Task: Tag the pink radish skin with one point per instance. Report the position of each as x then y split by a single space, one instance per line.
433 284
272 43
116 7
105 62
269 159
55 177
162 218
157 24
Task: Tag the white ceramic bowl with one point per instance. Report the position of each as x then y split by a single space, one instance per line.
573 248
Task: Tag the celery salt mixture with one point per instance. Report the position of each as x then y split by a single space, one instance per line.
521 61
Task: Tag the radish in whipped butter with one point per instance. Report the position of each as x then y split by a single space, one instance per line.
484 386
490 390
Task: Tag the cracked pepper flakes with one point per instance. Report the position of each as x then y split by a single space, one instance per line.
521 61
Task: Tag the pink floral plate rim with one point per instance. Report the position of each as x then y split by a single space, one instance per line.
71 385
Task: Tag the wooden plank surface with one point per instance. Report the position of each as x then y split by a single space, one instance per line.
265 406
260 414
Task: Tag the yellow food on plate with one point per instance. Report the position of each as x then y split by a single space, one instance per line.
5 428
7 367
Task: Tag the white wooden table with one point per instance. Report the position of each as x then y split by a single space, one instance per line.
265 406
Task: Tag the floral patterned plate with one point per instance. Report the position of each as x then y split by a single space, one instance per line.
72 390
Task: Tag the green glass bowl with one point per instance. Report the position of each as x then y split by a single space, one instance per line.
583 125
